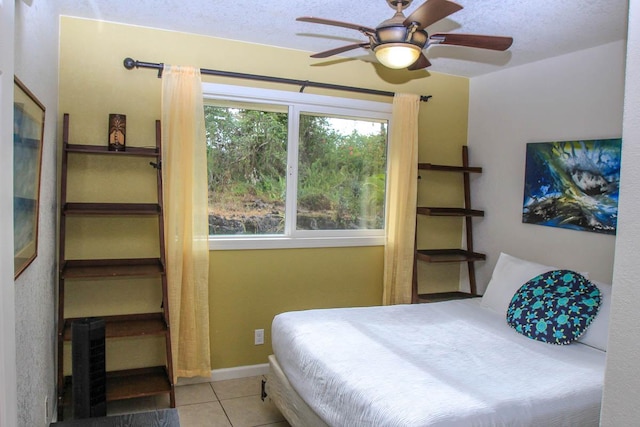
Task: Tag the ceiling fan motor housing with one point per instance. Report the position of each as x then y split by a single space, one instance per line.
398 33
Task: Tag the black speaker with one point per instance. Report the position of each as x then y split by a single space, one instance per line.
89 380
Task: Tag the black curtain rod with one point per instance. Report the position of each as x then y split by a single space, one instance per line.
130 64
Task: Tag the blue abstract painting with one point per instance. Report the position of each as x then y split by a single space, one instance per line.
573 184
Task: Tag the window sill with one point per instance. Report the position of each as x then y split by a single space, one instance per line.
278 242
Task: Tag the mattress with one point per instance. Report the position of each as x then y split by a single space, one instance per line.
452 363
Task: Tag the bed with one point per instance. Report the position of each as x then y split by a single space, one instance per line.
453 363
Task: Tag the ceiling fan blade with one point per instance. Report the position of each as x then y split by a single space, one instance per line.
431 11
472 40
421 63
361 28
337 50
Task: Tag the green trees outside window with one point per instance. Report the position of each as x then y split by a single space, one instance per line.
340 168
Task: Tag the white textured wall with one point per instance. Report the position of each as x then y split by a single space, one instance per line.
574 96
36 65
7 313
622 378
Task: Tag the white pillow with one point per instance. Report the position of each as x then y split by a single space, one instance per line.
509 274
597 333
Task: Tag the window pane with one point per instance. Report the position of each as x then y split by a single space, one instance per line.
247 162
341 173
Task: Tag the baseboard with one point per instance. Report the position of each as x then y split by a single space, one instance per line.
228 374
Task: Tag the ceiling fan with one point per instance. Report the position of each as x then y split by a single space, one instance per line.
398 42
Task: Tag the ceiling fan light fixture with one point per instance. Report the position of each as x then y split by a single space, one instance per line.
397 55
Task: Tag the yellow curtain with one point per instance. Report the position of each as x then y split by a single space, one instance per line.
401 200
184 173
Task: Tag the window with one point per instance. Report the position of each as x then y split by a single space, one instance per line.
287 169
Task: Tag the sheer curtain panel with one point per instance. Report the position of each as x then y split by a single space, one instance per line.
184 172
401 200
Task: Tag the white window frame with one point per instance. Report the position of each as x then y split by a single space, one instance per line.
297 103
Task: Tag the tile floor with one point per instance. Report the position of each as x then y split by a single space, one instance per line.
228 403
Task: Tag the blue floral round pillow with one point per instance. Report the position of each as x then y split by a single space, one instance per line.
555 307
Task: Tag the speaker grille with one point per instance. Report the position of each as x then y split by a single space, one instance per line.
89 372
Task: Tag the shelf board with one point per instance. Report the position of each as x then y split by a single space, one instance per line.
129 384
104 150
134 383
431 211
444 168
449 255
445 296
111 209
87 268
128 325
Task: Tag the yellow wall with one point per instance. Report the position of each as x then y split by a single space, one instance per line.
247 288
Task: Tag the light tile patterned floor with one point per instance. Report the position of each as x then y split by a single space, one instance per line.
229 403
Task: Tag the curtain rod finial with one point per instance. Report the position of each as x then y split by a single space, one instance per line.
129 63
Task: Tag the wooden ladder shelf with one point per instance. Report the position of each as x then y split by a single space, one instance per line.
129 383
467 255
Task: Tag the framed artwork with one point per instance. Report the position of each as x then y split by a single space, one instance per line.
573 184
28 128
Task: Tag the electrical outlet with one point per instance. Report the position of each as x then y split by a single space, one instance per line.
258 336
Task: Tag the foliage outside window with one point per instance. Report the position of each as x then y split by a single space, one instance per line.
293 170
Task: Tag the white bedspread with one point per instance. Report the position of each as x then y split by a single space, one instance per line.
445 364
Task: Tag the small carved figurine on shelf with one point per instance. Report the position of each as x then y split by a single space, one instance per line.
117 132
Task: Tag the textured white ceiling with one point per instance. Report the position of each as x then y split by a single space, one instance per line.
540 28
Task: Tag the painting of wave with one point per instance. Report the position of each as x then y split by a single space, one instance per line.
573 184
